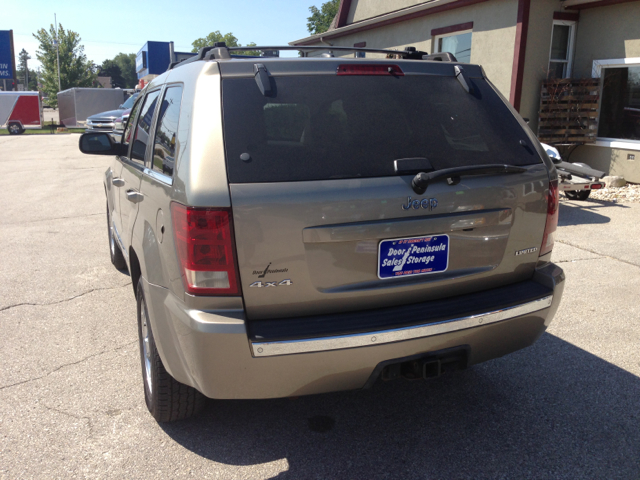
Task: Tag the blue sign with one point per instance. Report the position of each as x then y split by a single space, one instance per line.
413 256
6 56
141 61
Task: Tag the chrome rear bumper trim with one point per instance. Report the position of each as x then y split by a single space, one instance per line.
270 349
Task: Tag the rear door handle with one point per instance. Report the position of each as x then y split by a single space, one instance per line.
117 182
134 197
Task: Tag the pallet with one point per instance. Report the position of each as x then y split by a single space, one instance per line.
569 111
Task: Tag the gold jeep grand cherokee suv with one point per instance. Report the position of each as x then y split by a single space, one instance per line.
304 225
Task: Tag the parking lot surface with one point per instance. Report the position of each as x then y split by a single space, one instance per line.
71 394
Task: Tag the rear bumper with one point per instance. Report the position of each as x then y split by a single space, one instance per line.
380 337
213 351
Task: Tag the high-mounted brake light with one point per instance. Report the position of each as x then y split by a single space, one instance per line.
204 241
368 69
553 203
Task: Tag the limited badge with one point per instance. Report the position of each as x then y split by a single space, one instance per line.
527 250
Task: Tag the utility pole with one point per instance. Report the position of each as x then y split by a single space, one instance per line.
24 58
57 51
26 73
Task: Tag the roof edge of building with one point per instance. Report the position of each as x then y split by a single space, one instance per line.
427 8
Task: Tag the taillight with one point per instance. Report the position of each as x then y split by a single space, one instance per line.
206 250
368 69
596 186
553 202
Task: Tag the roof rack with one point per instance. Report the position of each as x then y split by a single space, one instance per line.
220 51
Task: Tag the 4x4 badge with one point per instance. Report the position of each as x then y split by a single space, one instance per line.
283 283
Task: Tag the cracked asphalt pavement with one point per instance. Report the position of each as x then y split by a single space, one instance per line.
71 394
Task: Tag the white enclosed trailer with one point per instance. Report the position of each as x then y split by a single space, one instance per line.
75 105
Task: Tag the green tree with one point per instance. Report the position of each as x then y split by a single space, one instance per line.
320 20
109 68
33 79
214 37
26 76
127 64
75 69
249 52
227 38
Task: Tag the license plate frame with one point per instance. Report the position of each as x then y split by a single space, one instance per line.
418 256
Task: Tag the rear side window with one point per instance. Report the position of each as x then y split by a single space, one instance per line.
164 147
126 137
324 127
143 127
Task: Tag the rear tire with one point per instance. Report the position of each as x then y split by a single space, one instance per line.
15 128
578 195
167 399
117 258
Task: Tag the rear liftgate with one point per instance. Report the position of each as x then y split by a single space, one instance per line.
338 209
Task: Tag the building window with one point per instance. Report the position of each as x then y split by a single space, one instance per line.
458 43
561 55
620 106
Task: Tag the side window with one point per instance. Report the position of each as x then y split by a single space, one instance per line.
165 148
141 135
126 137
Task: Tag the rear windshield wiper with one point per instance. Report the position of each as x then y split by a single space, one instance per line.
422 179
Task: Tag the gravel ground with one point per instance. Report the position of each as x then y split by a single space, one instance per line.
628 193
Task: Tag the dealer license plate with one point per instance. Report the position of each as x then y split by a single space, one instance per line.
413 256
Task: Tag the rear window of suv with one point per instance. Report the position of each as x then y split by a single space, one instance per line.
323 127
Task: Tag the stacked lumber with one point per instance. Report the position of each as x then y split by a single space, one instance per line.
569 111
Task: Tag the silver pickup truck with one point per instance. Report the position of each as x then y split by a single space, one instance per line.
107 121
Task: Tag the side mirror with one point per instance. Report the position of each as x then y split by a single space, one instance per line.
99 143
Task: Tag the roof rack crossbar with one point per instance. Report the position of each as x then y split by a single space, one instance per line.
220 51
410 51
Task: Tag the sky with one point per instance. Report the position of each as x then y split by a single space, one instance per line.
108 29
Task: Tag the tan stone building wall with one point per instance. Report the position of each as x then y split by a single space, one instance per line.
607 32
605 29
492 40
537 57
363 9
